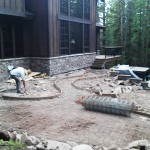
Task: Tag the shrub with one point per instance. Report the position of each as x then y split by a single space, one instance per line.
11 145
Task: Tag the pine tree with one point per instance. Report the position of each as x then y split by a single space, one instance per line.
128 25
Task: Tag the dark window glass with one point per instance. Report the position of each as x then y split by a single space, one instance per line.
64 7
19 5
19 40
0 43
76 8
11 41
87 9
7 40
64 37
1 3
86 38
7 4
76 38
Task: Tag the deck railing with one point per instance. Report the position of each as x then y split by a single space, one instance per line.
111 50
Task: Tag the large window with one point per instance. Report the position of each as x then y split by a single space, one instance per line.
18 40
86 38
75 8
87 9
15 7
11 40
74 38
7 40
0 42
64 36
75 23
64 7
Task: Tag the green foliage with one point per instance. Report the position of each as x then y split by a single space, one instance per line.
128 25
11 145
110 64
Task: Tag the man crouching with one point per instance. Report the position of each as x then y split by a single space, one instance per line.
18 74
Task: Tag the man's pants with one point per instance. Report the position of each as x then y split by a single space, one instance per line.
18 83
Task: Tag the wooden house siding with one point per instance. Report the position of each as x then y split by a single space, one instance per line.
53 27
12 7
41 34
93 26
36 30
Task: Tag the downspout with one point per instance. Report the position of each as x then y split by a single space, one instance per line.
49 32
104 26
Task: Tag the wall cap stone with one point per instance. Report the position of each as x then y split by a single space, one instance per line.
47 58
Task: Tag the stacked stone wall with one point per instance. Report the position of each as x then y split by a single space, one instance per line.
51 66
40 65
71 62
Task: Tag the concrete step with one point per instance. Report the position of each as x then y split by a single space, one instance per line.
98 63
96 67
99 60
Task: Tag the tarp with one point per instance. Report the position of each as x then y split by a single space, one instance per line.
125 69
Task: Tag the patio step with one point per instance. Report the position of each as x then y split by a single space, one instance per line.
101 60
98 64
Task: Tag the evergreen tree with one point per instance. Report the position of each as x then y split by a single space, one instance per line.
128 25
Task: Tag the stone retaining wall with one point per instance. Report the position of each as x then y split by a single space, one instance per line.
71 62
51 66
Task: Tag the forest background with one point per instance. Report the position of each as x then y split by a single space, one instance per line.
128 25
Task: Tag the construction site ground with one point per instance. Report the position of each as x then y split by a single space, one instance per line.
61 119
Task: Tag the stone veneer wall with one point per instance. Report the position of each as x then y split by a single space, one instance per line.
39 64
51 66
71 62
62 64
23 62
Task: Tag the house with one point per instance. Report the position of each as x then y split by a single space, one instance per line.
52 36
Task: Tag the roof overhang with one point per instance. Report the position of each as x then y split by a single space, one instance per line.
29 15
23 15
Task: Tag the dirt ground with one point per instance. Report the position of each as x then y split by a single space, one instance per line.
63 120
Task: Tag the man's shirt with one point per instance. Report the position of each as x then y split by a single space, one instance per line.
19 72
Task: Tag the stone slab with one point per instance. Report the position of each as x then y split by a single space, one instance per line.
15 96
113 95
124 77
114 73
134 80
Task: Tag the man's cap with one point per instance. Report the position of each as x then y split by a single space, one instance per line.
10 68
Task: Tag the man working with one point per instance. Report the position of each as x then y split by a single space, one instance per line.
18 74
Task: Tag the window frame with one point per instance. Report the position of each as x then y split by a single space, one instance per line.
69 38
69 18
13 33
61 16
